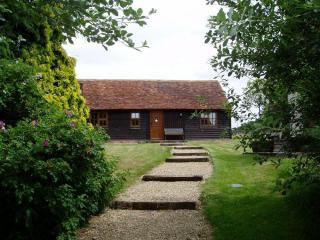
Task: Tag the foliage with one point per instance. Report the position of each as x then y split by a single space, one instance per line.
57 78
53 172
20 96
53 176
100 21
276 44
256 136
33 31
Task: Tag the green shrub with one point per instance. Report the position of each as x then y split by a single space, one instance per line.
53 175
19 93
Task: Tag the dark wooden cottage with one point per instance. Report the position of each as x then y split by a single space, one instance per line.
157 109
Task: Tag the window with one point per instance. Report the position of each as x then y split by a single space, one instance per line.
135 120
81 88
208 120
99 118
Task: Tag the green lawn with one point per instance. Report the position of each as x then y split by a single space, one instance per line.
137 158
255 211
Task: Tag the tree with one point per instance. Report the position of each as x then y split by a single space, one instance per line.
277 44
33 31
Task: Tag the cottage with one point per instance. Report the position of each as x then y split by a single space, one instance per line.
157 109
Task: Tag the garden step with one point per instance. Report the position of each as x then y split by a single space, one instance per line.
168 178
133 205
183 169
149 195
173 144
187 147
189 152
188 159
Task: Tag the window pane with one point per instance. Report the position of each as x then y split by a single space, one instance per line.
204 115
213 118
135 123
208 119
103 115
135 115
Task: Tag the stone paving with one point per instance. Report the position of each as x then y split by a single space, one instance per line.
163 204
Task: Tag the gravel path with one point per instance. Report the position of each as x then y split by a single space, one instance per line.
183 169
157 224
161 192
147 225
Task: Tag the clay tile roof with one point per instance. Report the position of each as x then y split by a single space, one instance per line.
153 94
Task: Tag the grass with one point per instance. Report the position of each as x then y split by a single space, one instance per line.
257 210
137 158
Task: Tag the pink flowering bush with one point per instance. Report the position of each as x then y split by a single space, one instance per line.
53 176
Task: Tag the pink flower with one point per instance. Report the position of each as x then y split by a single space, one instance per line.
2 125
35 123
69 113
73 124
46 143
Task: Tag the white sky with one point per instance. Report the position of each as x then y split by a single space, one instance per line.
177 50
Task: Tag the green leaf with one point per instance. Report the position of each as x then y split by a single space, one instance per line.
114 11
235 16
221 16
127 12
225 42
139 11
141 23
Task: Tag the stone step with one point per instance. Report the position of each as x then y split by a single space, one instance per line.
189 152
172 144
149 195
167 141
188 159
183 169
191 205
188 147
168 178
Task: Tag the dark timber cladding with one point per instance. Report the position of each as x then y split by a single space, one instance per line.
142 109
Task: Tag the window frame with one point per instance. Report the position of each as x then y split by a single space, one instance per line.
96 119
208 120
135 120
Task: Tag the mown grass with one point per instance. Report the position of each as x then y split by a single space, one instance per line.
137 158
257 210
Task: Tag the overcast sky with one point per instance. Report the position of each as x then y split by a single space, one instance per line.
177 50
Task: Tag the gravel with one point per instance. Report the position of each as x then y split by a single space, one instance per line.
183 169
147 225
189 152
161 191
